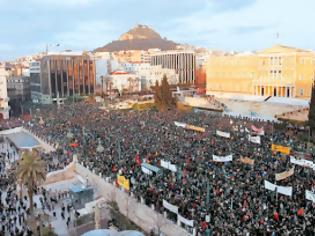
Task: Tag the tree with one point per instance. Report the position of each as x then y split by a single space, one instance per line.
311 115
166 93
31 171
157 95
163 95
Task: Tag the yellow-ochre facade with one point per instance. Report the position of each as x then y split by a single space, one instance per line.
279 71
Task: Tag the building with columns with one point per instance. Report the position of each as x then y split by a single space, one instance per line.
62 75
183 62
279 71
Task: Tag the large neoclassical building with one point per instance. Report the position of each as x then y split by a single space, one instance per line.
279 71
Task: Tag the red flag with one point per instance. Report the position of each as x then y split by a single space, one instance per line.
258 130
203 225
138 160
300 212
276 216
74 145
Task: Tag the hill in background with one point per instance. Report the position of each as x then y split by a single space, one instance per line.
141 37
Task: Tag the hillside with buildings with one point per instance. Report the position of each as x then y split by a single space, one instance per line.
140 37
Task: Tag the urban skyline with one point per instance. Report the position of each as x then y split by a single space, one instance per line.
85 25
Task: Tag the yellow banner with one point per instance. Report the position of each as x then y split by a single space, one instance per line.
281 149
195 128
247 160
123 182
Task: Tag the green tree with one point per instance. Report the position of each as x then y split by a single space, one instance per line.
167 93
311 115
157 96
163 95
31 172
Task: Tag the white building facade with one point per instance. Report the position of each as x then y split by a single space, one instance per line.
123 81
149 74
183 62
4 105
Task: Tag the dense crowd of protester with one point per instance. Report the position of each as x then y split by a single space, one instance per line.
14 205
231 193
222 198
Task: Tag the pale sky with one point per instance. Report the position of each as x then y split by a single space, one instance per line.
239 25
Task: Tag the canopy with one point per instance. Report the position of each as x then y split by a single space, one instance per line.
23 140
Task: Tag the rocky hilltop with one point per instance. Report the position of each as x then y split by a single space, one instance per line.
140 37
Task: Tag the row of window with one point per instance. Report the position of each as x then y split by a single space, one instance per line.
272 61
275 74
275 61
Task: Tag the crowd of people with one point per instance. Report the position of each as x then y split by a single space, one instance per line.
15 217
231 195
222 198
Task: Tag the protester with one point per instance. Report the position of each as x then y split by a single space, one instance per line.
222 198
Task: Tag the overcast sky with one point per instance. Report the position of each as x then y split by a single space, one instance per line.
28 25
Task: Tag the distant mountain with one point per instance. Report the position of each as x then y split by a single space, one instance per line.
141 37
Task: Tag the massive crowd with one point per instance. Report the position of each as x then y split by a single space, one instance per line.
15 218
232 194
237 201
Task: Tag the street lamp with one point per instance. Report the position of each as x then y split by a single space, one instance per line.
51 45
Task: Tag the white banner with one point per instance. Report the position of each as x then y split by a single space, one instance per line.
280 189
170 207
254 139
168 165
284 190
164 164
302 162
222 159
185 221
223 134
179 124
172 167
309 195
270 186
146 171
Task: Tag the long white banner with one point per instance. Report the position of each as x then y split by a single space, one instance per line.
222 159
254 139
280 189
223 134
179 124
285 190
309 195
164 164
169 166
185 221
170 207
302 162
172 167
146 171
